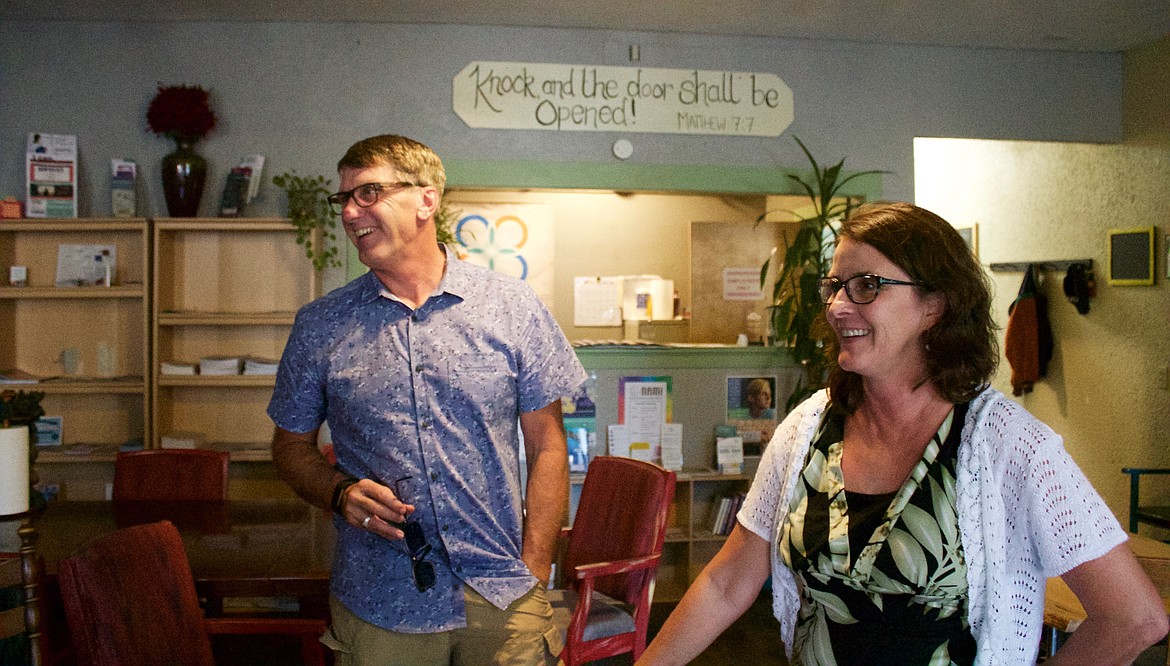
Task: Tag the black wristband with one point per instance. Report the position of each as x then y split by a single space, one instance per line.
338 501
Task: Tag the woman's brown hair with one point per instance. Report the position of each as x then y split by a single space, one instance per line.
960 349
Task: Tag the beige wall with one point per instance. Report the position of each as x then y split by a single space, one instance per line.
1147 95
1106 391
607 233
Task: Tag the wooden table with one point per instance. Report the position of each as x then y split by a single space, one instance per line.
1064 613
238 548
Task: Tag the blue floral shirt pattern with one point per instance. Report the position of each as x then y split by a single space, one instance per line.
433 394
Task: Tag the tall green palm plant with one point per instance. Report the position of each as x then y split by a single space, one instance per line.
797 311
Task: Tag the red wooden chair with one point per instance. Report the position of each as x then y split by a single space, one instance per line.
171 474
130 600
611 560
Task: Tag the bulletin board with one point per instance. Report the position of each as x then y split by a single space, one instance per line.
1131 257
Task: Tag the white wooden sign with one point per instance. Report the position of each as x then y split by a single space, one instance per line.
588 98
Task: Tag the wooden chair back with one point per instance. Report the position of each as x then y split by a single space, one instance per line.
621 514
20 575
129 599
614 548
171 474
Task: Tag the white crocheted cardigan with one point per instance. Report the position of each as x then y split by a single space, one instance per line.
1026 513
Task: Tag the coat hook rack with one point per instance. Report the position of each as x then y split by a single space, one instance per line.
1021 266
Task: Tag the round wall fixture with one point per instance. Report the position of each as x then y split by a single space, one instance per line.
622 149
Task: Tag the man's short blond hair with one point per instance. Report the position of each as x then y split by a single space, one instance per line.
413 159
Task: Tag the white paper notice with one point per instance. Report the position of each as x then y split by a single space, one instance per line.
619 444
672 457
645 412
742 284
597 301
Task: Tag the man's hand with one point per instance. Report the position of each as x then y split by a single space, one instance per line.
374 507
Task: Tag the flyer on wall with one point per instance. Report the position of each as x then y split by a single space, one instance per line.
51 172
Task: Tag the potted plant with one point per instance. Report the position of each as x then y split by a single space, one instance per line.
21 409
797 313
309 212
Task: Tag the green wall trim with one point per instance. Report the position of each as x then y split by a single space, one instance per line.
644 358
625 177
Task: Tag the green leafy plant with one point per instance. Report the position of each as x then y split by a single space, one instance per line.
309 212
797 311
445 219
19 408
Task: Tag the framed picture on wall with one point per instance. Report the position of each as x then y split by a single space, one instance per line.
971 236
1131 257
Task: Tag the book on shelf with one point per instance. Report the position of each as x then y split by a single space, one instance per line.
219 365
255 365
725 512
176 368
17 376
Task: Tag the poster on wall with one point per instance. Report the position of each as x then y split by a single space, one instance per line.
513 239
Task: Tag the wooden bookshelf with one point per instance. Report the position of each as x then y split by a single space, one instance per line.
223 287
40 320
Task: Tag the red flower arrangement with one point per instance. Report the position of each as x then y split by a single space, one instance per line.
181 113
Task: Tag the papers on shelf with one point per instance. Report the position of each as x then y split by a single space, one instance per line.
86 265
254 365
17 376
182 440
219 365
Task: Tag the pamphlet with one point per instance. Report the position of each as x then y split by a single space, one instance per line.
235 191
729 455
672 456
580 417
255 166
51 174
49 430
123 176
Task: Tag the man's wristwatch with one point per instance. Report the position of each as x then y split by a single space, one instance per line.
338 501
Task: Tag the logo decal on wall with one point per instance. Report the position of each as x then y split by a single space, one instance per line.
512 239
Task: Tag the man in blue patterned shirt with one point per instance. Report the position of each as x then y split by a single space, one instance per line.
428 369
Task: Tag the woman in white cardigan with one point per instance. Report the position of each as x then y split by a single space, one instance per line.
909 514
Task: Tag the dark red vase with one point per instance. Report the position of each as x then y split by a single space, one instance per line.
183 175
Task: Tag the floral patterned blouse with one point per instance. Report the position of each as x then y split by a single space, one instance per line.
883 579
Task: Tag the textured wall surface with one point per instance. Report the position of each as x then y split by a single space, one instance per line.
1106 390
